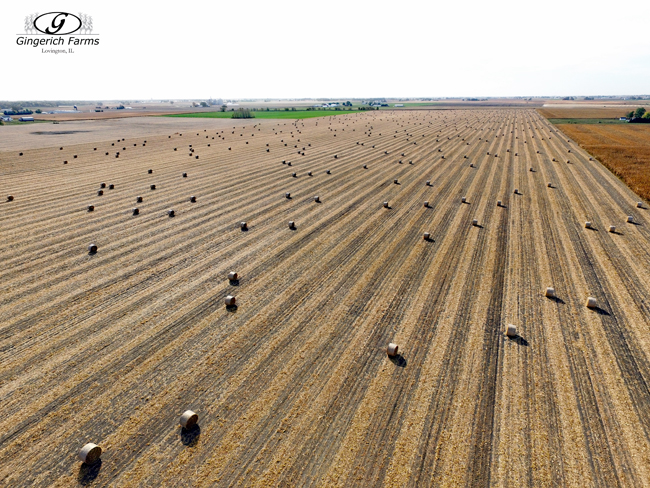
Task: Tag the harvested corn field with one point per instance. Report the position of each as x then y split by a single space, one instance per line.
287 364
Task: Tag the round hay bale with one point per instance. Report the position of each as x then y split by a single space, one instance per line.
188 419
175 149
243 225
150 171
196 157
92 248
549 185
385 204
530 169
591 302
550 292
230 301
171 212
292 224
475 222
426 236
428 183
232 276
100 193
391 350
102 185
639 204
308 173
612 229
463 200
90 453
630 218
10 198
396 182
329 172
111 186
426 203
335 156
587 225
138 199
184 175
153 187
498 203
91 208
516 191
511 330
65 162
294 175
317 199
136 211
287 195
365 166
193 199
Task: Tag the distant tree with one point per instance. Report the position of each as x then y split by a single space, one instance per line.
629 115
646 115
243 113
639 112
204 104
38 110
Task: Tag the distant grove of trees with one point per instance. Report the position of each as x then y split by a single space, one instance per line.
243 113
638 113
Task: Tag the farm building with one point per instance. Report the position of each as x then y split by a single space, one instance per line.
26 119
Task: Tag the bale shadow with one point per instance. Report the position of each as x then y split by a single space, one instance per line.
600 311
478 225
234 282
634 223
231 308
556 300
592 228
429 239
245 230
190 437
293 229
89 472
518 340
398 360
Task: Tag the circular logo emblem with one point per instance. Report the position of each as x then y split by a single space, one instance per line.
57 23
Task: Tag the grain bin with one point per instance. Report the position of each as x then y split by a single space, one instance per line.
188 419
232 276
391 350
90 453
550 292
591 303
230 301
511 330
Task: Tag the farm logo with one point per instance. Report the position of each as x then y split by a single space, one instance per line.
42 30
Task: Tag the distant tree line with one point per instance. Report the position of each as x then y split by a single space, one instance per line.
639 115
19 111
243 113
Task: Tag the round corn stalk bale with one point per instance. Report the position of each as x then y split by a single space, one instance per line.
111 186
294 175
102 185
287 195
100 193
91 208
428 183
365 166
138 199
498 203
516 154
463 200
516 191
591 302
196 157
549 185
188 419
639 204
317 199
136 211
385 204
587 225
232 276
243 225
426 203
630 218
230 301
92 248
289 163
530 169
65 162
193 199
184 175
396 182
329 172
90 453
150 171
475 222
391 350
10 198
612 229
426 236
511 330
471 165
308 173
292 224
170 212
153 187
550 292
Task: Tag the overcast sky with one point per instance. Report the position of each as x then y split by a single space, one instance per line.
299 49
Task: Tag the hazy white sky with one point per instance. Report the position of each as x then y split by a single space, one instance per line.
285 48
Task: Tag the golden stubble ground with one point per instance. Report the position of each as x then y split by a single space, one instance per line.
293 387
